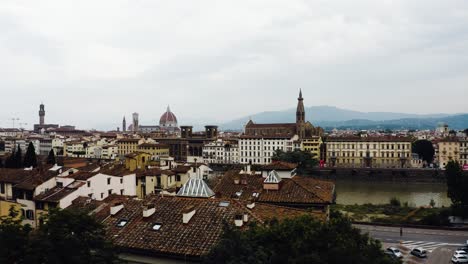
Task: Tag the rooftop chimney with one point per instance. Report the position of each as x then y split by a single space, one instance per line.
187 214
116 208
246 217
251 205
148 210
238 220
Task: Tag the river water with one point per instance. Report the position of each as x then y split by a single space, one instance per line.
416 194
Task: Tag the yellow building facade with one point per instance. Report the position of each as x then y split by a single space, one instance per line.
312 145
449 149
368 152
128 145
155 150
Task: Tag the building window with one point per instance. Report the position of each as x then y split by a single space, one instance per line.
30 214
121 181
108 181
2 187
89 184
121 191
109 192
102 195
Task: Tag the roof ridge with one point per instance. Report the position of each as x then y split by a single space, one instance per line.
307 189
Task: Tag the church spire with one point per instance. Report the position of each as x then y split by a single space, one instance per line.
124 125
300 116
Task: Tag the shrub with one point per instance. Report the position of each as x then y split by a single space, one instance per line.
395 202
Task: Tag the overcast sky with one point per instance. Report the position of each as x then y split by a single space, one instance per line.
91 62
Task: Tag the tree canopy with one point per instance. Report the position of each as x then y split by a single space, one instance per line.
30 159
299 240
424 149
457 186
15 159
51 157
66 237
303 158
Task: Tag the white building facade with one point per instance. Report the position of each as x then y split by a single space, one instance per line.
259 149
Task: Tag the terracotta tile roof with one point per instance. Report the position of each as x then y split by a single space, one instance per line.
148 172
115 170
35 178
280 165
174 238
368 139
297 190
56 194
128 140
280 136
300 190
181 169
81 175
272 125
13 175
248 184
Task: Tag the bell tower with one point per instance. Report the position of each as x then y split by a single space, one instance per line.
300 116
41 114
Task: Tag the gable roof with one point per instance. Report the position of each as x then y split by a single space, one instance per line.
298 190
174 238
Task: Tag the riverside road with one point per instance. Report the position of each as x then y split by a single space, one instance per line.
438 242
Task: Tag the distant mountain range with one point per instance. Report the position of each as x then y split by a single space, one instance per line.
330 117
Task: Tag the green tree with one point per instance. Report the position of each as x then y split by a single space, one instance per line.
51 157
30 159
299 240
457 184
305 159
9 162
424 149
13 238
66 237
18 158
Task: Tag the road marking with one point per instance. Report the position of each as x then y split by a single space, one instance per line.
429 246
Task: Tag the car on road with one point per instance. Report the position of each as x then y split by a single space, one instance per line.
460 252
395 251
460 259
419 252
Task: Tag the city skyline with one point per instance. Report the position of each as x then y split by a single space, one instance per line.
392 57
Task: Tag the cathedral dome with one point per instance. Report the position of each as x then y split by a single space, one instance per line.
168 119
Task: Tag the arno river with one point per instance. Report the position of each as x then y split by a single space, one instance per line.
416 194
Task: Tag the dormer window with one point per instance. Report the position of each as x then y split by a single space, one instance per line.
122 222
156 226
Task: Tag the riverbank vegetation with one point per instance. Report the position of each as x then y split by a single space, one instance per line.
457 186
395 213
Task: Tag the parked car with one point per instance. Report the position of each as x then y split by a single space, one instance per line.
464 248
396 252
460 252
419 252
460 258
